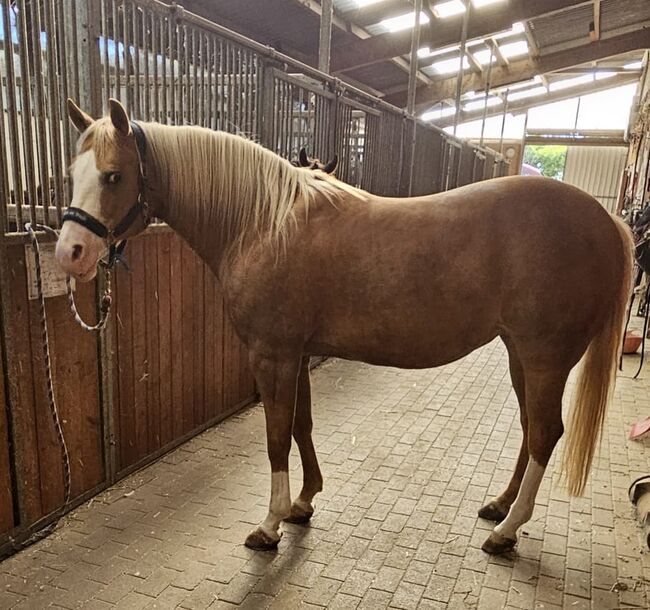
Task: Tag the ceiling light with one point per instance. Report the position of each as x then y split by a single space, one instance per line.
403 22
514 49
438 113
448 9
480 104
520 95
447 66
424 52
571 82
635 65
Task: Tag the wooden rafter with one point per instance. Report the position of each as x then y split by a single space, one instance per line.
493 19
526 69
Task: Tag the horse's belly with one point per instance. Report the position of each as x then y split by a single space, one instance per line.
407 343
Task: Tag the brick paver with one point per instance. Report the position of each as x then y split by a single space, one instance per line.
408 458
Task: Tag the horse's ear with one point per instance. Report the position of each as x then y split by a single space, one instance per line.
304 159
331 166
119 117
78 117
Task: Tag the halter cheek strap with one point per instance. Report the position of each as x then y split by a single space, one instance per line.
139 208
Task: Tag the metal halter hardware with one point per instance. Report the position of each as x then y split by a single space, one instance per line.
139 208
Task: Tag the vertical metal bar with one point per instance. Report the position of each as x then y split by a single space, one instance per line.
146 52
215 85
165 50
503 121
222 87
127 57
116 43
413 73
26 114
461 70
195 81
325 42
106 60
136 62
40 112
156 51
487 94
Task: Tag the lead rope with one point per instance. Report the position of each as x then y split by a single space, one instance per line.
54 411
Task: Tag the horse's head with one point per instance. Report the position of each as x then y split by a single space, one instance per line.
106 191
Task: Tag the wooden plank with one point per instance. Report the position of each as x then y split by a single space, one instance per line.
176 300
198 319
166 368
187 353
139 337
6 491
124 416
152 381
209 347
75 371
21 391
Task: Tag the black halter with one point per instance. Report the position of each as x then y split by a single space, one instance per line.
139 208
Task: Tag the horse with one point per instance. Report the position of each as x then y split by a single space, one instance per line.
311 266
315 164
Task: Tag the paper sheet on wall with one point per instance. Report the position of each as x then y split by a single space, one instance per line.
52 276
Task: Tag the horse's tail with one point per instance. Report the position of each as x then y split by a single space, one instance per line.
596 379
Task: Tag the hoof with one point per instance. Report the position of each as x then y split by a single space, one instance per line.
497 544
493 512
299 514
259 540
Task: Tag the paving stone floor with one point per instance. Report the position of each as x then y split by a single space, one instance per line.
408 458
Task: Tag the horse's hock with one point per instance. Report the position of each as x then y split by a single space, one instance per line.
168 461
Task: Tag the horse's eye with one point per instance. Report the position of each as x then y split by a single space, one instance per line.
112 177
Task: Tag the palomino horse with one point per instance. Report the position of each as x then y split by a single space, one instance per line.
310 266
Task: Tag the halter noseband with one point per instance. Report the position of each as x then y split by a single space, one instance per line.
139 208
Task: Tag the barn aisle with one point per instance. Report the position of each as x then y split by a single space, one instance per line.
408 458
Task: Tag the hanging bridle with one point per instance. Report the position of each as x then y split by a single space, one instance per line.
139 209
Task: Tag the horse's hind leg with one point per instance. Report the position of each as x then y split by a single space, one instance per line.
277 379
497 509
302 509
544 389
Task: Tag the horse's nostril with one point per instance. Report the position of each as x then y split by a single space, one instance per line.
77 251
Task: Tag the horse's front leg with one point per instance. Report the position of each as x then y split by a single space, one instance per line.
277 379
302 509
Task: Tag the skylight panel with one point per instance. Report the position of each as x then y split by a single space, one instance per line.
517 28
403 22
448 66
603 75
482 3
362 3
520 95
571 82
635 65
449 9
480 104
483 57
438 113
514 49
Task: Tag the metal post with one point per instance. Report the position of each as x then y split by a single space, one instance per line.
415 44
459 80
503 121
325 44
487 94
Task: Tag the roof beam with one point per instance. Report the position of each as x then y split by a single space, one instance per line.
527 68
519 106
594 26
443 32
347 26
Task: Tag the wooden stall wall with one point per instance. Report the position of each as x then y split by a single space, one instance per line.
75 373
179 365
6 491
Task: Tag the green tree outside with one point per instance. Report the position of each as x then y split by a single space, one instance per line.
548 159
